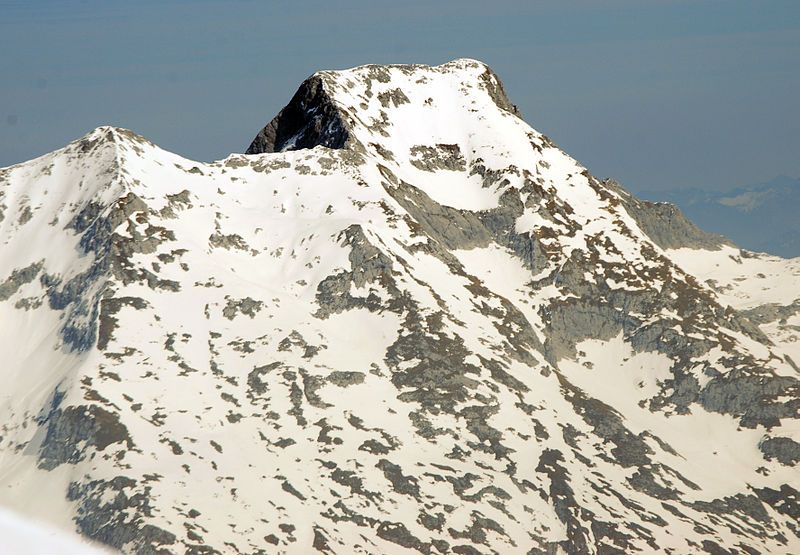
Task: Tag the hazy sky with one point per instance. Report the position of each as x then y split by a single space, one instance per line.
658 93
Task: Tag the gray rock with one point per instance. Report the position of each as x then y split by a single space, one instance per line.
114 512
18 278
784 449
665 224
73 430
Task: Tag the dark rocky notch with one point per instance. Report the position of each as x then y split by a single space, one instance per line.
310 119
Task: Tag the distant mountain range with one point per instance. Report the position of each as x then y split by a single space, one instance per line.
760 217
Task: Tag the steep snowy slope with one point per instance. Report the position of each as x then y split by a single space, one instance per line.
404 321
764 288
19 536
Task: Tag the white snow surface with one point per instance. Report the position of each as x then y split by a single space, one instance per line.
740 278
414 343
21 536
754 282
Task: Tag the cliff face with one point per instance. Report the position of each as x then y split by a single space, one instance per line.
310 119
405 321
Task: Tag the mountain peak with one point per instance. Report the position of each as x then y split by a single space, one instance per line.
342 108
109 134
421 326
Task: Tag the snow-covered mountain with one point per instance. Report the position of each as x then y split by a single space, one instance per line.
404 321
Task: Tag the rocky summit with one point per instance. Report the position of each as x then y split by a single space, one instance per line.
404 321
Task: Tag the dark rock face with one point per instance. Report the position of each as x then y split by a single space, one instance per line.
785 500
74 430
785 449
494 86
103 512
18 278
310 119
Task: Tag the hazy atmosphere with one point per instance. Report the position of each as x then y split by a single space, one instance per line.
670 94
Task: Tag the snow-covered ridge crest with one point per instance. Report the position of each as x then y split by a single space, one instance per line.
417 326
